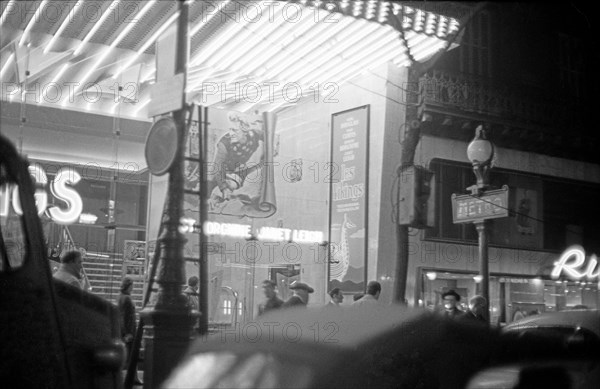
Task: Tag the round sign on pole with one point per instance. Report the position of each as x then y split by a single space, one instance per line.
161 146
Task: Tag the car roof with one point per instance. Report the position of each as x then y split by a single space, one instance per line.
588 319
346 327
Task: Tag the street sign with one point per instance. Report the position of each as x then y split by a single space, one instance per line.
491 204
166 96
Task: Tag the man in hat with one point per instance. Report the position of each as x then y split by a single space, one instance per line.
272 301
300 297
451 299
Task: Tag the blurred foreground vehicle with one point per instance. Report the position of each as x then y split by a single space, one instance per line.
577 366
52 335
370 347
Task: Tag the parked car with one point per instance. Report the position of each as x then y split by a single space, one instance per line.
576 365
377 347
581 322
52 335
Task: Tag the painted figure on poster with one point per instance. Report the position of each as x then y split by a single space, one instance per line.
340 258
238 154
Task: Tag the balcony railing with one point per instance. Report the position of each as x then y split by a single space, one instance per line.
523 105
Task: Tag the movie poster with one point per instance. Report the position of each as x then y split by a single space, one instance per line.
348 228
239 163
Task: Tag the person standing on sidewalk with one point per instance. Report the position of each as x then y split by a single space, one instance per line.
127 316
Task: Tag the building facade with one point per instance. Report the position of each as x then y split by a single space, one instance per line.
338 89
528 80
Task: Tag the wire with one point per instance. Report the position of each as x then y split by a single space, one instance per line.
511 211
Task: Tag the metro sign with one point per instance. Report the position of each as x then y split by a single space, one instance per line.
572 263
491 204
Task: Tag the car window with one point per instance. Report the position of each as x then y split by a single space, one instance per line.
12 242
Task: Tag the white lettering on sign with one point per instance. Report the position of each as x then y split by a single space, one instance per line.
275 234
61 191
303 236
571 263
287 235
476 207
227 229
60 188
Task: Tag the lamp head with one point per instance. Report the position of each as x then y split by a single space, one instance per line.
480 151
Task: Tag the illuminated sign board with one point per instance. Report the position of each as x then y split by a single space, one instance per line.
60 188
572 263
188 225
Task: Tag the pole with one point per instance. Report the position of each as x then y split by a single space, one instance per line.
203 305
481 227
410 139
168 326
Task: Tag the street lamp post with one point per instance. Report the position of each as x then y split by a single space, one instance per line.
480 152
168 325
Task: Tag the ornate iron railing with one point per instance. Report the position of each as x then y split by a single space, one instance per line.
525 105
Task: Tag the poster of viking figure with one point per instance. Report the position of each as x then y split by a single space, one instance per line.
239 163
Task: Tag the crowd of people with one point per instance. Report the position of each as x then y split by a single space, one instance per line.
302 291
475 313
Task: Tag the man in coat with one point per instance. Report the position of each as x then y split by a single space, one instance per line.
272 301
335 298
71 264
451 299
477 306
371 297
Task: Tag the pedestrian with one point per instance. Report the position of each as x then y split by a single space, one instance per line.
127 317
476 312
272 302
451 299
335 298
372 295
301 295
192 293
71 265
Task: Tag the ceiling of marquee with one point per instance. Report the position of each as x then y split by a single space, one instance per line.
78 53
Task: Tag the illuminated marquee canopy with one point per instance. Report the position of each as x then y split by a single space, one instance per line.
245 55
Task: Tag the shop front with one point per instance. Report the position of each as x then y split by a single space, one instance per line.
90 199
513 296
542 256
268 213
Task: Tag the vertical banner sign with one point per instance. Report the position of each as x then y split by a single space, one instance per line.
348 199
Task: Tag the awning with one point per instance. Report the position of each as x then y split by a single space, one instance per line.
244 55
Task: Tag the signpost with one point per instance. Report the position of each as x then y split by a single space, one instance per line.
491 204
478 208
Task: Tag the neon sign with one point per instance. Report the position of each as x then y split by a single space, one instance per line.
286 234
60 189
571 263
189 225
227 229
